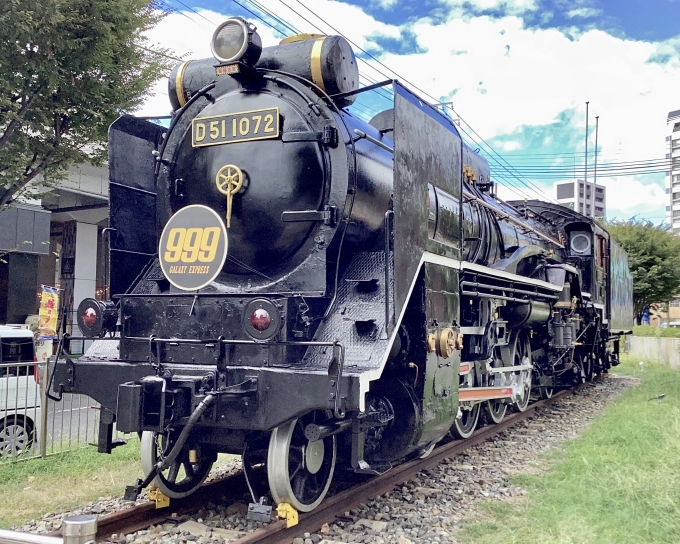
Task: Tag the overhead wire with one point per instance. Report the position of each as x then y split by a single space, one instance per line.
504 171
612 169
493 151
292 28
274 16
513 172
289 25
172 9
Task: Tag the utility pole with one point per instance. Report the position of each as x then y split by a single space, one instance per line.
585 170
597 126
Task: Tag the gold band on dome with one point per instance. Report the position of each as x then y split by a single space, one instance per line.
315 63
179 83
300 38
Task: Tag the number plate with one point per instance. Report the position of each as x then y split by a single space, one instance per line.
235 127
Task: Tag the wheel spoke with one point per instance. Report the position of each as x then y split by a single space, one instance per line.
189 469
173 472
295 472
299 485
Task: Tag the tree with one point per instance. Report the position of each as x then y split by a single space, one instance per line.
68 69
654 260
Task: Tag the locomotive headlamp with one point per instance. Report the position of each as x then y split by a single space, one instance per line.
580 243
96 317
89 317
261 318
236 40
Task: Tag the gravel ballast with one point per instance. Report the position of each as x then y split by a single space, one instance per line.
427 510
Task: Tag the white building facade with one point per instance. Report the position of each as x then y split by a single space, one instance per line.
578 195
673 175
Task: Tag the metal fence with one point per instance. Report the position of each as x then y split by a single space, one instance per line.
33 425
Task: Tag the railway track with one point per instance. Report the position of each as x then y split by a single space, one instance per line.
144 515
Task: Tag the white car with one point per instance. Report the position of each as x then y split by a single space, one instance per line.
20 410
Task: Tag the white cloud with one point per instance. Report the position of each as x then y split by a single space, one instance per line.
583 12
511 7
510 76
628 196
386 4
511 145
516 192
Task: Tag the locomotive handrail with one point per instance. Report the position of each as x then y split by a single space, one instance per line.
503 215
363 89
159 154
502 288
363 136
389 215
309 343
310 103
491 295
338 354
213 341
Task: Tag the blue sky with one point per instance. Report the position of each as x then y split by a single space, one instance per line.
517 72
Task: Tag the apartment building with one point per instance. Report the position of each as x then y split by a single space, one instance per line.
577 195
673 174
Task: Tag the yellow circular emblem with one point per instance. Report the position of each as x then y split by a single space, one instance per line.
193 247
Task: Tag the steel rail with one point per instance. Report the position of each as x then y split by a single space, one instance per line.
142 516
335 506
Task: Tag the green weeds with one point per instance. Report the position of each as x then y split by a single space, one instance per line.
648 330
618 482
31 488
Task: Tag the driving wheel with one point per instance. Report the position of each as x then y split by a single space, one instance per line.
300 470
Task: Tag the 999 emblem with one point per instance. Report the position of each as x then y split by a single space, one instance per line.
193 247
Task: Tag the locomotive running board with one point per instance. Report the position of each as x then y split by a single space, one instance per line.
466 368
483 393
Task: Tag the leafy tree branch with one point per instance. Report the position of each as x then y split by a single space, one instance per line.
654 260
68 69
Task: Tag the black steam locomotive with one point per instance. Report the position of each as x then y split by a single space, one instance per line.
315 293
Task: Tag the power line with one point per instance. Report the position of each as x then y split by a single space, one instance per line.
383 92
172 9
492 150
617 164
194 11
504 170
159 53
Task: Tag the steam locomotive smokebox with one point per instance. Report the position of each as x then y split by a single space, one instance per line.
328 61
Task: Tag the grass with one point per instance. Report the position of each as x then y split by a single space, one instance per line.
32 488
618 482
648 330
69 480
